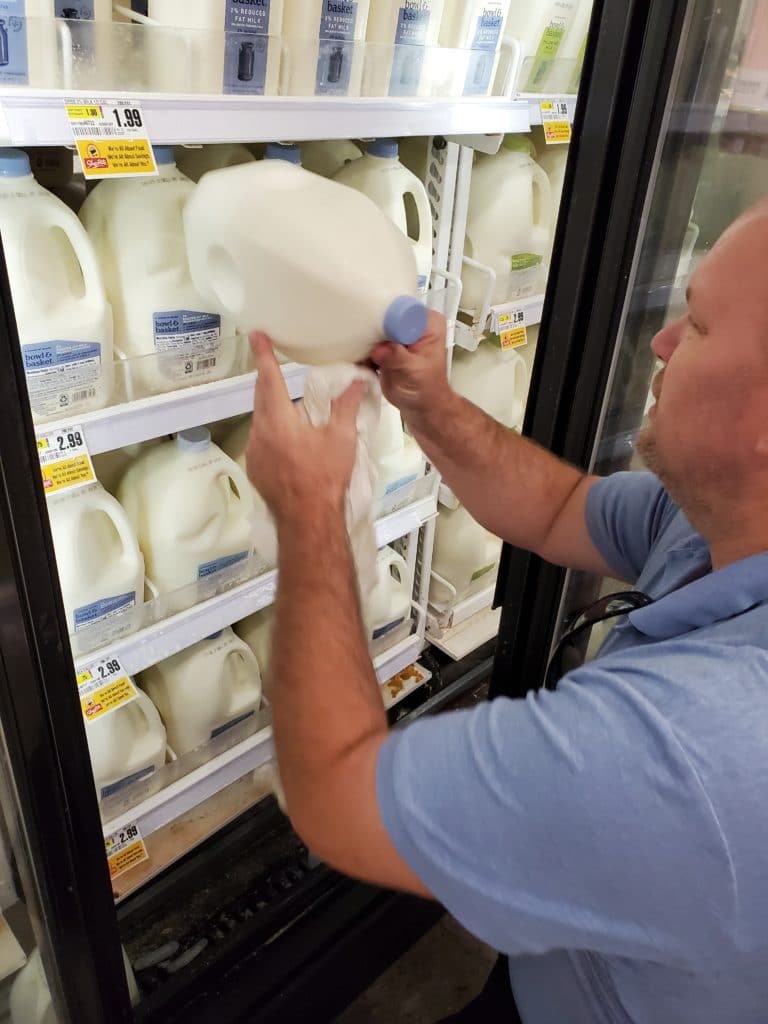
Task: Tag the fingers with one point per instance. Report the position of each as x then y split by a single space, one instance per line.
346 408
389 356
271 389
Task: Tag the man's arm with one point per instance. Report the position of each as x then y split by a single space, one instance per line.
509 484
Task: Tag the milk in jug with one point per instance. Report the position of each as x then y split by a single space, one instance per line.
389 606
191 507
100 566
229 46
205 690
263 529
494 380
398 32
399 194
465 557
315 265
509 227
137 230
54 168
126 745
566 71
476 26
323 50
540 26
328 157
257 632
62 314
398 458
29 44
197 162
554 160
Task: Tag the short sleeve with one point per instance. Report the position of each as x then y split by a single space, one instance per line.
626 513
569 820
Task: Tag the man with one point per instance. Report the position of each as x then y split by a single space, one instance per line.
610 837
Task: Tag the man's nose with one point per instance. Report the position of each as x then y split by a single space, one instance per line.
667 340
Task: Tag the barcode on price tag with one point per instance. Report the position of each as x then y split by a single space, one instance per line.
511 329
125 849
64 459
111 138
104 686
555 121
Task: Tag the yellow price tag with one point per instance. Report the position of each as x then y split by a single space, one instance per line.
103 687
515 338
555 121
111 138
125 849
64 459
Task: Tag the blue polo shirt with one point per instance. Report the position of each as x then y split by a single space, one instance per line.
612 837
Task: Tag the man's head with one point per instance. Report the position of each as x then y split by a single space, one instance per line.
707 436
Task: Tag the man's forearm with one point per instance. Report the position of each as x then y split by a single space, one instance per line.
513 487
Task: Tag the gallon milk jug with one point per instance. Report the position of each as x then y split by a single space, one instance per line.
257 632
509 227
54 168
398 31
203 58
495 381
29 44
205 690
137 230
125 745
465 558
476 26
101 569
554 159
389 606
540 26
30 1000
327 158
313 264
566 72
323 49
88 41
263 529
398 194
197 162
62 314
415 155
398 458
191 507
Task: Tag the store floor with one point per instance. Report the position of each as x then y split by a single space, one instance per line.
437 977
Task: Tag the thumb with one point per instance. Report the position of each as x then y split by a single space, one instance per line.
346 408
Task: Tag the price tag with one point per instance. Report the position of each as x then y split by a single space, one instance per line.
511 329
554 119
104 686
64 459
111 138
125 849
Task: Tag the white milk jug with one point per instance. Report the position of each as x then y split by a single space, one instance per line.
54 168
204 691
197 162
30 1000
323 50
554 160
126 745
509 228
100 566
566 72
398 31
257 632
415 155
540 26
495 381
465 557
137 230
191 507
245 60
389 606
263 529
315 265
398 458
476 26
88 41
62 314
328 157
399 194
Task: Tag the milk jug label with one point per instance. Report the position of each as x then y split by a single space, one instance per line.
483 572
405 481
14 67
337 33
218 564
100 611
231 725
115 787
386 630
246 49
188 343
410 35
484 46
62 376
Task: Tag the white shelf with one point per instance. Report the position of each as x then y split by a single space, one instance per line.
464 638
442 619
146 647
534 101
36 117
469 336
147 418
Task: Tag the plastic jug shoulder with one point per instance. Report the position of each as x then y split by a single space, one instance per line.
387 612
197 162
126 745
465 558
495 381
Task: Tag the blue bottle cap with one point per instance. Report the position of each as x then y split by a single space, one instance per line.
405 322
14 163
164 155
280 151
196 439
384 147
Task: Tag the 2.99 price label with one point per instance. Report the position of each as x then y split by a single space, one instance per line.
104 686
125 849
111 138
64 459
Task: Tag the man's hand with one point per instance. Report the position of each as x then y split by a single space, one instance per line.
291 463
415 379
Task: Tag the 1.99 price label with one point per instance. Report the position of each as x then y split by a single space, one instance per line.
111 138
64 459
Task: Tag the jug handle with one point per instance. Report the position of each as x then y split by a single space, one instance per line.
541 182
152 587
149 711
394 559
522 385
84 254
425 214
124 528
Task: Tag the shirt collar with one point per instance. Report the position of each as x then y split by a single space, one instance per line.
711 598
